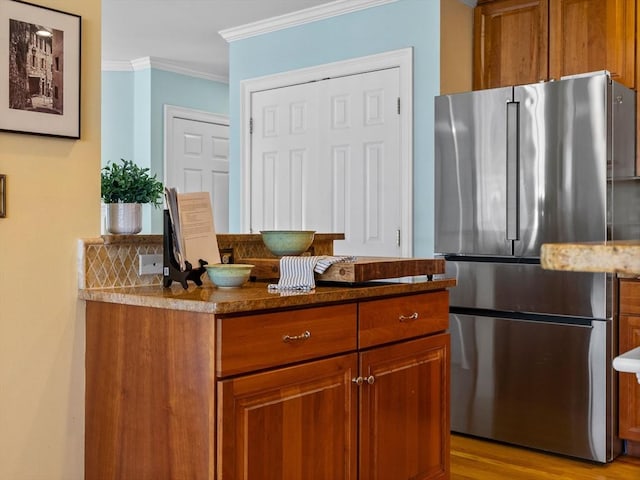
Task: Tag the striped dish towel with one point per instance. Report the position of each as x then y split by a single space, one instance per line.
296 273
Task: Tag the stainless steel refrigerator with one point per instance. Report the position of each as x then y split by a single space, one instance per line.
515 168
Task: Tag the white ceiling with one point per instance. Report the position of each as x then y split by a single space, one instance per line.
183 32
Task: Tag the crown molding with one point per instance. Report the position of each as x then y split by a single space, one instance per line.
117 66
308 15
145 63
142 63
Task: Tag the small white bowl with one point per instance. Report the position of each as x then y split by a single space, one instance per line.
229 275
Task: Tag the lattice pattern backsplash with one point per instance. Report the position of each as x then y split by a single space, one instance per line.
106 265
112 260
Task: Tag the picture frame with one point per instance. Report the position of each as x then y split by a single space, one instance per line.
39 70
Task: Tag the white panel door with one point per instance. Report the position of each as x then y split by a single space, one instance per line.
363 145
325 157
284 156
200 163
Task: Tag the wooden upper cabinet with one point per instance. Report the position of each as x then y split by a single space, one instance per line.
526 41
592 35
510 43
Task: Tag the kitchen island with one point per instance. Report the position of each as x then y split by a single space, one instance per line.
343 382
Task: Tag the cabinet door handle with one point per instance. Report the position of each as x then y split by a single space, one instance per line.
296 338
404 318
360 380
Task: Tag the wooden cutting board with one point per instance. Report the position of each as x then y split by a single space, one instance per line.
362 270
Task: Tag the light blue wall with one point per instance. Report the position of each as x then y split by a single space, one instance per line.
405 23
133 117
142 117
117 116
168 88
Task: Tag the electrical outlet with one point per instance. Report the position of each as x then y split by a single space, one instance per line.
150 264
226 255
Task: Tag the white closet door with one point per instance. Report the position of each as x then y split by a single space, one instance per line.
363 145
325 157
283 159
200 163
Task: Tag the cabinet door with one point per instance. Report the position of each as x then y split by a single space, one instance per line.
291 423
404 416
510 43
592 35
629 398
629 297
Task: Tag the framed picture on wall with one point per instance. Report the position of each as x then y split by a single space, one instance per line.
39 70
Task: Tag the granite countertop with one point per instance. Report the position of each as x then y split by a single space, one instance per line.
254 296
621 257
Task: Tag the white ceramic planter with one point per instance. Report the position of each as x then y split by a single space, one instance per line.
124 218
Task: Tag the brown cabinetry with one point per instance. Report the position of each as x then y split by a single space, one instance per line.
294 422
149 412
629 389
510 43
343 391
404 411
591 35
388 400
527 41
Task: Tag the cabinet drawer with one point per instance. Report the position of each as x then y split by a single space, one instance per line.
630 297
392 319
254 342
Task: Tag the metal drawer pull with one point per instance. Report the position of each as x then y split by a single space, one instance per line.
370 379
295 338
413 316
357 380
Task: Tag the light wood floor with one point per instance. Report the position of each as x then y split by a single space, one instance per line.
485 460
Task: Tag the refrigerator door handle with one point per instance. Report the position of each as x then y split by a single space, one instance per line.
513 168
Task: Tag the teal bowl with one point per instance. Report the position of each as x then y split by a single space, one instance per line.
287 242
229 275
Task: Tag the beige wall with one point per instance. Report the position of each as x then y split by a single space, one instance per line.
456 46
53 199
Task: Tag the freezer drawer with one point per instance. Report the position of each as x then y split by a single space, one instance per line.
537 384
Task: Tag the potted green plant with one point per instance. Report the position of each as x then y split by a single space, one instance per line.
124 188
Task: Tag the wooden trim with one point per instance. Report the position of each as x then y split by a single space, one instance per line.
633 449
